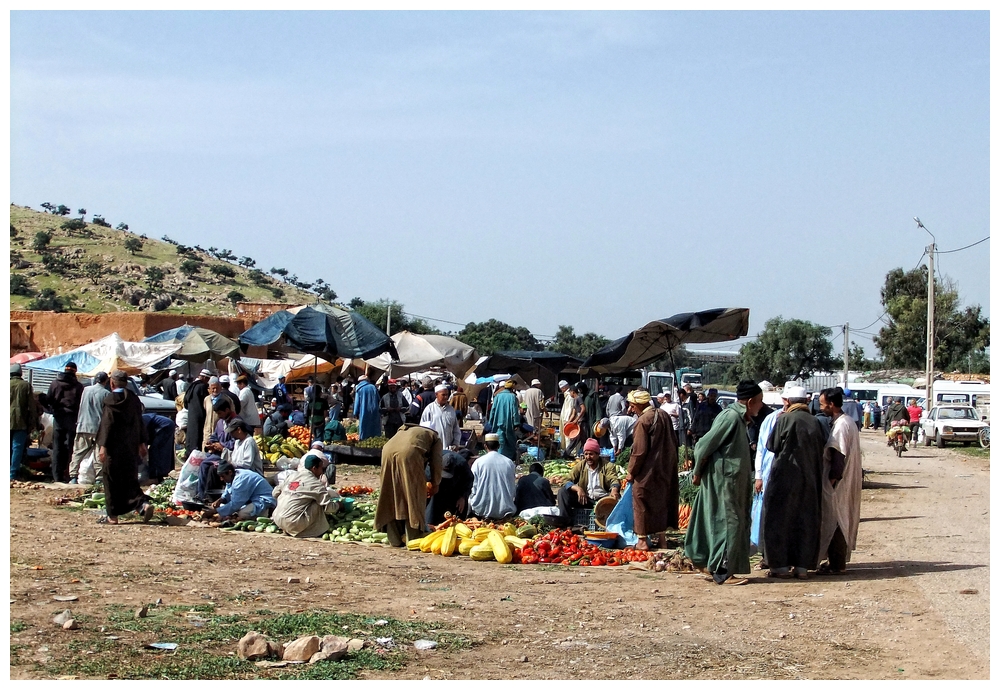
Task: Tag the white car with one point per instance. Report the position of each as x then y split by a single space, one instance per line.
951 423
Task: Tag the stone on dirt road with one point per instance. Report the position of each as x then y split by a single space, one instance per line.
355 645
61 618
302 649
71 625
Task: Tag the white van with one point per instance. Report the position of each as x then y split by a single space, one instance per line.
882 392
973 393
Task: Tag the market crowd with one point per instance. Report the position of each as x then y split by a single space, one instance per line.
785 483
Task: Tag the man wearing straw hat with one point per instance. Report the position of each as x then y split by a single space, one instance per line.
652 470
505 417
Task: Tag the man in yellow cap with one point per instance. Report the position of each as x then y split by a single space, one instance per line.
652 470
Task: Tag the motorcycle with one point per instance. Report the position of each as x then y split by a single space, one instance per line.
899 434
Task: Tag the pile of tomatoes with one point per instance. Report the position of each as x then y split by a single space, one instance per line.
565 548
178 512
356 490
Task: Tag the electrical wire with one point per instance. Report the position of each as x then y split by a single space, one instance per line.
968 246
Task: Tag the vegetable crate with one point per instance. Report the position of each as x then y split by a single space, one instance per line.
584 517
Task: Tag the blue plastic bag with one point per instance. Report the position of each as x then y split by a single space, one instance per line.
621 519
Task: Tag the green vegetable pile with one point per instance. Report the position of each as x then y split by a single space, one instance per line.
355 524
261 524
373 442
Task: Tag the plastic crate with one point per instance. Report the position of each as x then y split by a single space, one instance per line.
584 517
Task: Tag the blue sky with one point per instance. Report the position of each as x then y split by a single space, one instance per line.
585 168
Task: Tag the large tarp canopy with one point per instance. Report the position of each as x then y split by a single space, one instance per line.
108 354
659 338
419 352
265 372
544 366
197 344
322 330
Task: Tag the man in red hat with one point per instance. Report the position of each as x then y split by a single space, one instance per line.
394 408
589 482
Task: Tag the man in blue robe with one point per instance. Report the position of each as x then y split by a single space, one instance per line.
366 408
505 417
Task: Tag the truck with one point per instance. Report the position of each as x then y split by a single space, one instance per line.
686 375
659 382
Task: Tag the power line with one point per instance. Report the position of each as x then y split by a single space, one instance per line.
456 323
952 251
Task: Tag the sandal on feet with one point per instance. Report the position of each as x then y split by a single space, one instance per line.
779 576
105 520
736 581
146 511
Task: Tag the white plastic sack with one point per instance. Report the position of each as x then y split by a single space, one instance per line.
541 510
88 468
187 481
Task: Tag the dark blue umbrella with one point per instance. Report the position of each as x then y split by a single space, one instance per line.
322 330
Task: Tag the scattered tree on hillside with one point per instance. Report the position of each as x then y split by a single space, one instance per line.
279 272
493 335
786 350
99 220
225 255
13 231
258 277
75 226
247 262
47 300
55 263
164 238
327 294
133 245
49 208
62 210
154 277
189 267
82 212
19 285
94 271
958 334
582 346
235 297
123 227
41 241
223 271
277 292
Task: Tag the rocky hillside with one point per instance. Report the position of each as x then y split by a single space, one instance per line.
66 263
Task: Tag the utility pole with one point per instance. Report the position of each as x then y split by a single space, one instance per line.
847 352
388 319
929 373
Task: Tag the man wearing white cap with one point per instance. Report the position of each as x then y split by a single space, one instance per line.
566 414
194 402
441 417
233 397
762 465
534 399
169 387
794 496
493 483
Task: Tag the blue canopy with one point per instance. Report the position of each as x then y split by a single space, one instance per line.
84 361
322 330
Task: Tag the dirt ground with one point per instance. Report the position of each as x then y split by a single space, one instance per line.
900 612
